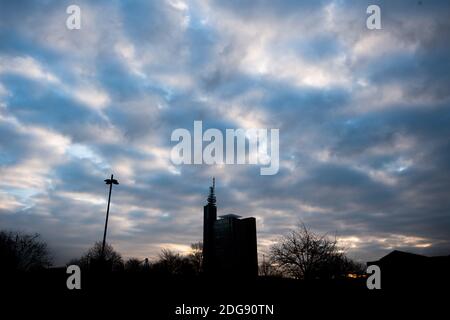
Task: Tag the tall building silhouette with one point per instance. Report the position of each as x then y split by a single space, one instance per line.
229 243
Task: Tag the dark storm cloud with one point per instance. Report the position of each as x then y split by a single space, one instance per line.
364 119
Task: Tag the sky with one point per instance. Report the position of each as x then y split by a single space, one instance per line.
364 120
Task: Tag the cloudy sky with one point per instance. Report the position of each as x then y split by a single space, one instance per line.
364 119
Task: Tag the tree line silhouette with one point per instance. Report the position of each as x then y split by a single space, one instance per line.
300 254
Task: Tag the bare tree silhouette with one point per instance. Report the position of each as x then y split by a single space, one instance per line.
169 262
94 256
173 264
134 265
23 252
196 256
303 254
267 269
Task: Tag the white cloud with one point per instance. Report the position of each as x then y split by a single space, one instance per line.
26 66
91 96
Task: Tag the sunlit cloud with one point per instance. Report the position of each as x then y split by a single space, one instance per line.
25 66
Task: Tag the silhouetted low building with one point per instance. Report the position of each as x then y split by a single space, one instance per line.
400 268
229 243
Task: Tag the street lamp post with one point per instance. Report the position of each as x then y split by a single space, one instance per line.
110 182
